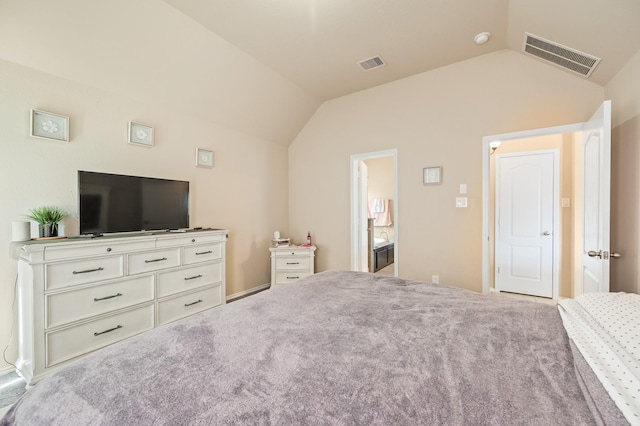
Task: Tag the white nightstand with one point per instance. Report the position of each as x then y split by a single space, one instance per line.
289 264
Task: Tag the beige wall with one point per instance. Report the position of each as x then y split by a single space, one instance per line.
194 87
434 118
245 191
624 92
564 143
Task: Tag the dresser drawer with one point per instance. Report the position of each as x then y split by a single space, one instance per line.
293 263
69 251
203 253
188 304
65 274
194 238
71 342
153 260
172 282
63 308
284 277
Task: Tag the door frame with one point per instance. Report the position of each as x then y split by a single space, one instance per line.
486 151
355 197
555 258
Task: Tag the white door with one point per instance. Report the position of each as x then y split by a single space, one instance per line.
525 210
363 215
596 143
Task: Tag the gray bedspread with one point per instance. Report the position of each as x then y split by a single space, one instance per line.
337 348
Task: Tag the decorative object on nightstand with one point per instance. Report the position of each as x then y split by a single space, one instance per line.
48 219
289 264
140 134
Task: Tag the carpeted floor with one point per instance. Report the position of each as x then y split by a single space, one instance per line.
12 387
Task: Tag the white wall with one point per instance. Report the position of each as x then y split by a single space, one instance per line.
435 118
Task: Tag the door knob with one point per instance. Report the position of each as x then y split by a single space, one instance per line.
593 253
546 233
616 255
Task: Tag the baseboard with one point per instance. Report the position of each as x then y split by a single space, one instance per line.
6 370
248 292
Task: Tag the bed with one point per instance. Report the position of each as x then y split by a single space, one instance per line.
337 348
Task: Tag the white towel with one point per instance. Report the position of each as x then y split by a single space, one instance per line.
378 205
383 218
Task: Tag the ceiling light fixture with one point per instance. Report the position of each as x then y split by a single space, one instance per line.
482 38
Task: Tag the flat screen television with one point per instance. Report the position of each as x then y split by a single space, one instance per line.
111 203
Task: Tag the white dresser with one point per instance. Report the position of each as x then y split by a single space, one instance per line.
78 295
289 264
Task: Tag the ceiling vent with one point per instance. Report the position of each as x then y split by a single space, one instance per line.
562 56
371 63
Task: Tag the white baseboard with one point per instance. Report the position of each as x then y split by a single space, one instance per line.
6 370
248 292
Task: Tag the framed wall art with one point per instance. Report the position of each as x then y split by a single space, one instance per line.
204 157
140 134
432 175
47 125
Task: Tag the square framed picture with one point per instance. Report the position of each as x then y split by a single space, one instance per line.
47 125
204 157
432 175
140 134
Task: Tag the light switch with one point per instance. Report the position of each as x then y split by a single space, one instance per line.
566 202
463 188
461 201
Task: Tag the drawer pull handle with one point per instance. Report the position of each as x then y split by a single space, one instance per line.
86 271
97 299
155 260
204 252
193 278
107 331
293 263
193 303
293 278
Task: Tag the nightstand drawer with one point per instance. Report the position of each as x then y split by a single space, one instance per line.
285 277
290 263
83 338
172 282
153 261
296 252
67 274
188 304
63 308
203 253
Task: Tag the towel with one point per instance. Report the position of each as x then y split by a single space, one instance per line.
381 212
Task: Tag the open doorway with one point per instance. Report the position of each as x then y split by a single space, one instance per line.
581 252
523 257
374 219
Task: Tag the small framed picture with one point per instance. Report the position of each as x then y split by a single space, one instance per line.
204 157
432 175
140 134
47 125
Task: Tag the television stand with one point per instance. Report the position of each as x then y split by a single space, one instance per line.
77 296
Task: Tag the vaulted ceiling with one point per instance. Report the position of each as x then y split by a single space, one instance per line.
318 43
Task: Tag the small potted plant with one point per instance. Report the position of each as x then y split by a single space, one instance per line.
48 219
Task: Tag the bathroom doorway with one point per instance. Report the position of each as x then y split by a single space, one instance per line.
374 219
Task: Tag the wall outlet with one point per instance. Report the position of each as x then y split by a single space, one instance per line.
435 279
461 202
